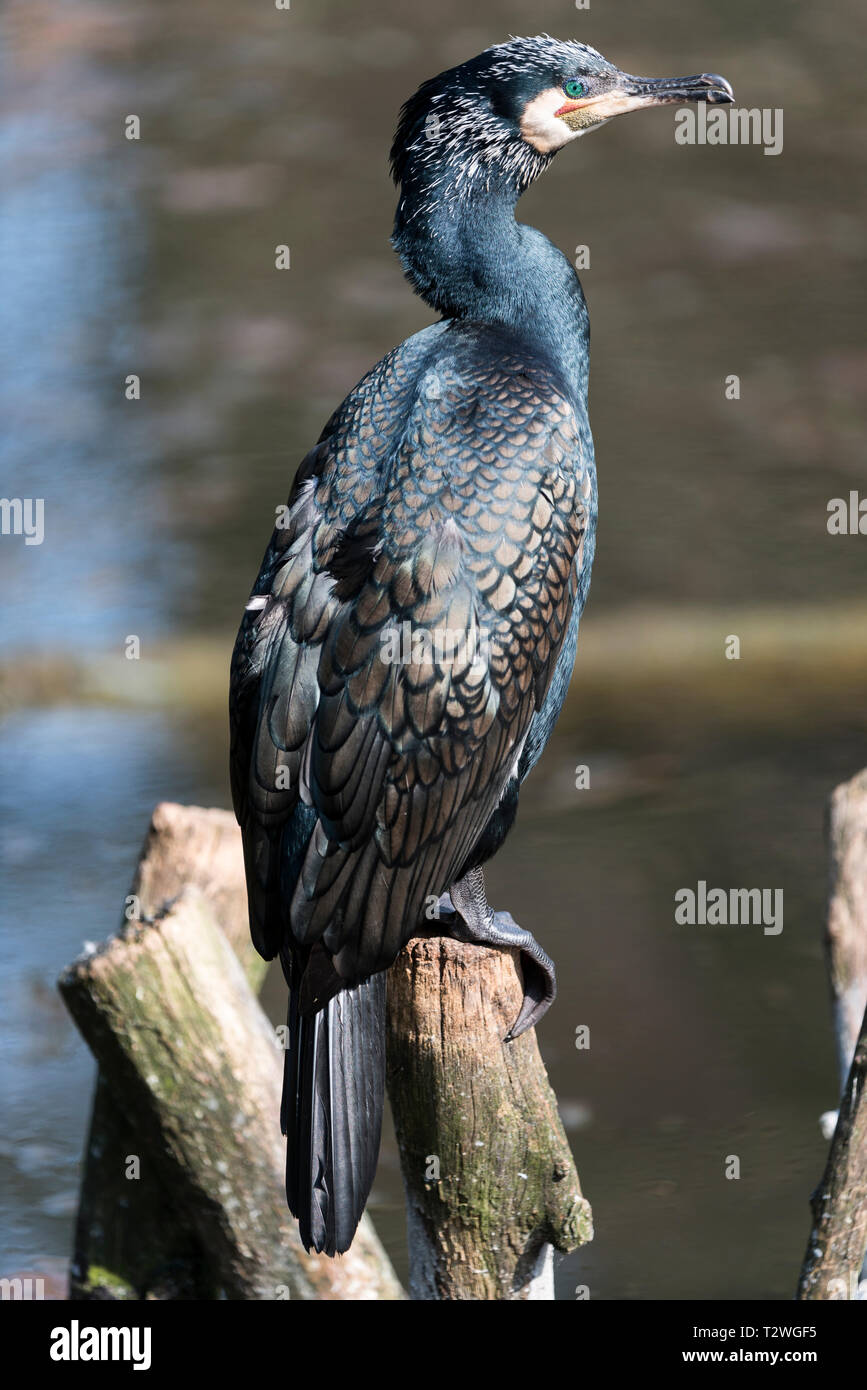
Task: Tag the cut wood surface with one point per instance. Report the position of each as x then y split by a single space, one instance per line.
193 846
490 1181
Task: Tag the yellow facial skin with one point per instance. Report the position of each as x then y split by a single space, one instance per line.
551 120
541 126
579 118
590 111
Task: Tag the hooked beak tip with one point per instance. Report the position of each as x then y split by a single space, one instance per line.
719 90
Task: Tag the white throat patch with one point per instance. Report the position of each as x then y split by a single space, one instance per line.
539 125
547 132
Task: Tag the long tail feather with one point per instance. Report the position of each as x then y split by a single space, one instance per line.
333 1089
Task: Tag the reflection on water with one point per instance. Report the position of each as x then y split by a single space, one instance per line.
156 258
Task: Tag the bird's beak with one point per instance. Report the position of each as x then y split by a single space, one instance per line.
633 93
707 86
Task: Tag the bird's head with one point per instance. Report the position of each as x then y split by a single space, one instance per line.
506 113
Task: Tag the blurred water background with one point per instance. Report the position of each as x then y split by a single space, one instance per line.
156 257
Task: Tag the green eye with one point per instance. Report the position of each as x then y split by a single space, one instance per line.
574 88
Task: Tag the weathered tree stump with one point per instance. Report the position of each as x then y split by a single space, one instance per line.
846 932
129 1240
191 846
133 1237
491 1186
182 1195
838 1242
195 1068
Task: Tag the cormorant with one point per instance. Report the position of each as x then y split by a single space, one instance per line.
409 641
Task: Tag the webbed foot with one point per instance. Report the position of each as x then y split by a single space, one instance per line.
465 914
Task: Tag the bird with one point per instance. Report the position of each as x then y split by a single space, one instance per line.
409 641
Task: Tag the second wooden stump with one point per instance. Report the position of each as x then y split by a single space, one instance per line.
491 1185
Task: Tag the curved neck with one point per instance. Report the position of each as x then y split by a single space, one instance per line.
470 259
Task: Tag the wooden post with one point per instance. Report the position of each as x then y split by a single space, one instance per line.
846 934
191 846
491 1186
134 1238
838 1241
130 1242
183 1188
195 1069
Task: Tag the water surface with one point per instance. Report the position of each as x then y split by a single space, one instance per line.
156 257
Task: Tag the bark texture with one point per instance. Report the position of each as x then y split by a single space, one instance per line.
182 1194
838 1241
846 937
834 1263
490 1182
194 1066
182 1190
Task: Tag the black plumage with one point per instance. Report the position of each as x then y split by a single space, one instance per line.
410 638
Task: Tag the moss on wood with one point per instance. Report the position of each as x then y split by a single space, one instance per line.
490 1181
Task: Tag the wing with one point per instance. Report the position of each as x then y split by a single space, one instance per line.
274 692
395 661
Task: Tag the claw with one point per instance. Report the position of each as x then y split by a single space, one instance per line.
540 991
540 977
